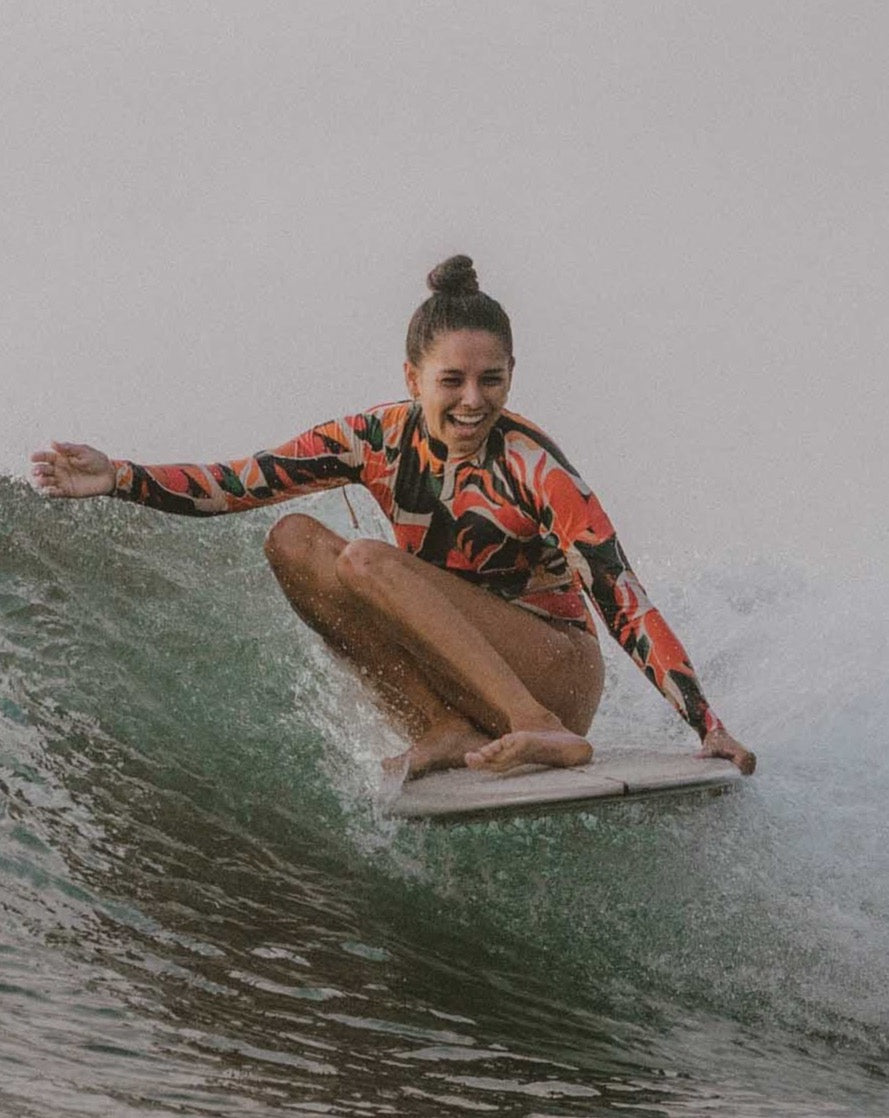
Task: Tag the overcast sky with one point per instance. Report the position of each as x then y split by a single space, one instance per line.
217 218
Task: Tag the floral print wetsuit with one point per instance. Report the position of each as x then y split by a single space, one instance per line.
515 518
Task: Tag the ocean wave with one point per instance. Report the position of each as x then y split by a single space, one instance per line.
189 836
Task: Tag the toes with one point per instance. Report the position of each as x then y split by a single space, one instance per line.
483 757
475 759
496 756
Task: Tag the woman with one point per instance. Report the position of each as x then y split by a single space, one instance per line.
475 630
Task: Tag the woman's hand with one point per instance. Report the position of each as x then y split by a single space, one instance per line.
720 743
73 470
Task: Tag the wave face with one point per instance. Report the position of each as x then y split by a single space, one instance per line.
204 912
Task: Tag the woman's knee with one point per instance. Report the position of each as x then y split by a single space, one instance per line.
300 541
362 563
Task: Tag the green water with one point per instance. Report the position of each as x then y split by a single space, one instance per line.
205 914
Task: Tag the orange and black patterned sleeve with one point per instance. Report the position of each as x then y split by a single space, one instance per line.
326 456
573 516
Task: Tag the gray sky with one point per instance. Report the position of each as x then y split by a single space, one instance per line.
216 220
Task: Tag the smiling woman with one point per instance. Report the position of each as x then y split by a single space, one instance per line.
474 631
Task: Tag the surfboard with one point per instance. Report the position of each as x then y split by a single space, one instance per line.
618 775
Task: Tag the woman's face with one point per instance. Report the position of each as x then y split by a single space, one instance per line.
461 383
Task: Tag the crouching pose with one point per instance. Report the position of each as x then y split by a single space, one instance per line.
474 631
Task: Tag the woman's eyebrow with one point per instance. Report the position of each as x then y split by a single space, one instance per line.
484 372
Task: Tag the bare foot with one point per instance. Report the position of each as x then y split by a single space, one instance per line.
443 746
720 743
559 748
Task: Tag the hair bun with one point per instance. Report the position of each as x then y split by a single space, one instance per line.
454 276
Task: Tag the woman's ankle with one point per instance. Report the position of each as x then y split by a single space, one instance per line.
535 717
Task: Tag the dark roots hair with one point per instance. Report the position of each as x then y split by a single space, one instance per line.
455 304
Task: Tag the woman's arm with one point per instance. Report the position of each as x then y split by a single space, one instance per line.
328 455
639 628
643 633
573 516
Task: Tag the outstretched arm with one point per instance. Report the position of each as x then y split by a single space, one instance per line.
329 455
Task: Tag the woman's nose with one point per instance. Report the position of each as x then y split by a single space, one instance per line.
471 396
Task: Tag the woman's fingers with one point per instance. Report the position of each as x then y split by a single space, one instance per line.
72 470
74 454
44 469
720 743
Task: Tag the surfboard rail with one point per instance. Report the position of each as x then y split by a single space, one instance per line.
615 775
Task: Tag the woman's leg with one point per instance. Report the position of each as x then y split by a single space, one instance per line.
456 664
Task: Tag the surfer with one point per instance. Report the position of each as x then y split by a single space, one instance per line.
475 630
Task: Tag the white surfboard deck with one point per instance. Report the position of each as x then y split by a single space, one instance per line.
465 794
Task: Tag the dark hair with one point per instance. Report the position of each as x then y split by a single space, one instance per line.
455 304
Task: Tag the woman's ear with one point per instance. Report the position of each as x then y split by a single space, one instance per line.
412 379
509 368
